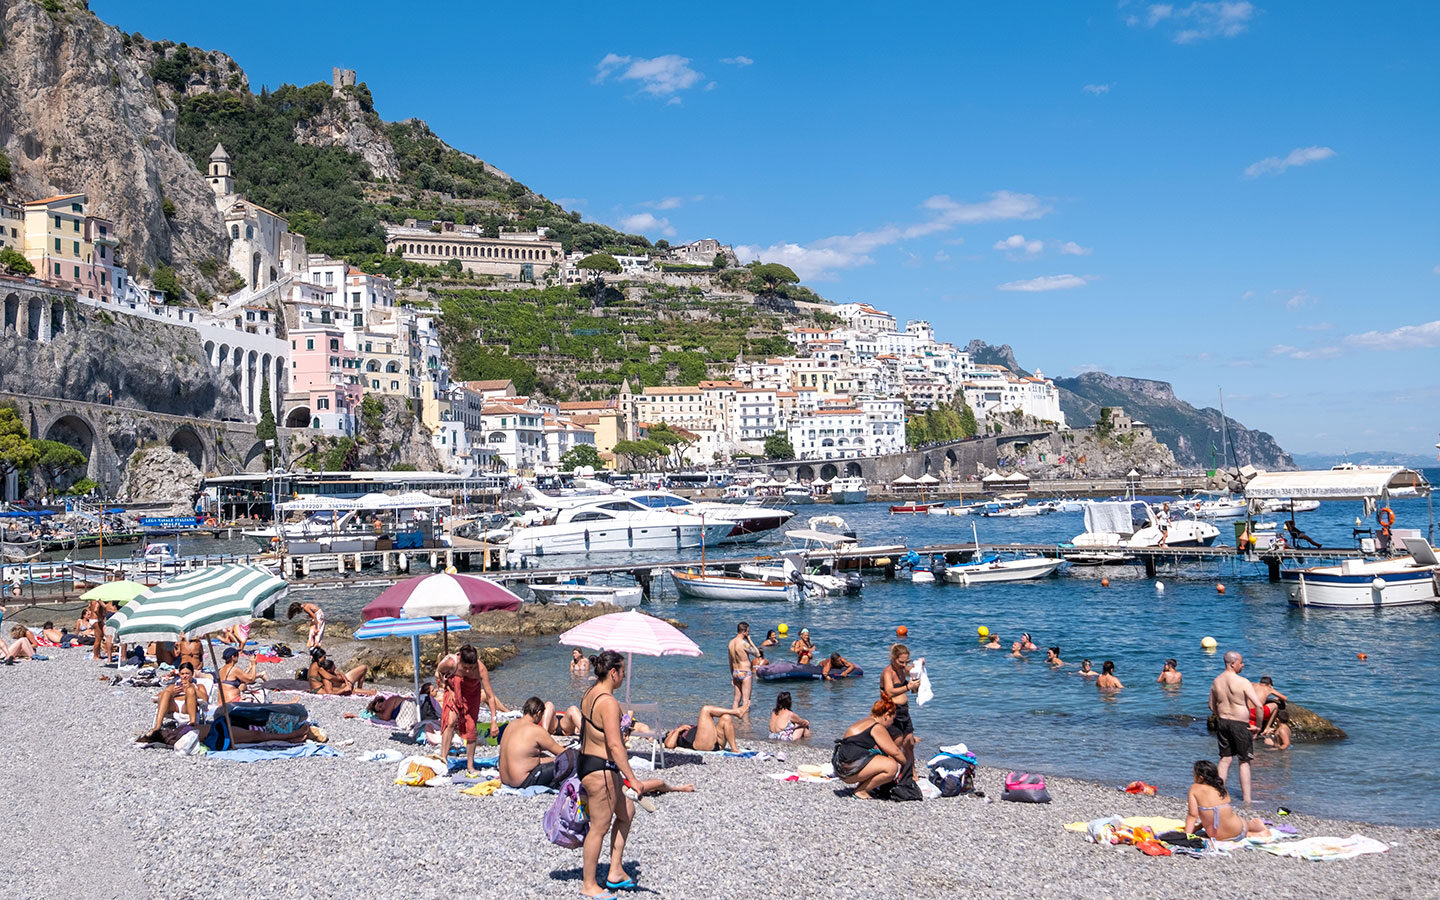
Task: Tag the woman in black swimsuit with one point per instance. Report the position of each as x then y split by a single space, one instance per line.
603 761
867 756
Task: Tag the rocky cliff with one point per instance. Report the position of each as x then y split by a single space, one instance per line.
1190 433
120 361
1082 453
81 111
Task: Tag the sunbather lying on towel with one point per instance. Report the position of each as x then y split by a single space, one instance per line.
21 645
714 729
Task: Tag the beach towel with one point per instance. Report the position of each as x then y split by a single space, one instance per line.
261 754
798 776
925 694
484 789
533 790
1326 849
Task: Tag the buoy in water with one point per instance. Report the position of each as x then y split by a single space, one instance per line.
1104 582
1159 585
983 631
1209 643
450 570
1360 656
901 631
1219 588
784 629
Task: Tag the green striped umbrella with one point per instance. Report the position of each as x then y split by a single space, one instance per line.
197 603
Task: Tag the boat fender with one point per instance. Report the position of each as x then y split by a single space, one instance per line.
883 561
1378 584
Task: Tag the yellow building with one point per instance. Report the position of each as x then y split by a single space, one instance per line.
68 248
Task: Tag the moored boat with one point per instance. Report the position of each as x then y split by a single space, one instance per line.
849 490
586 594
702 586
1025 568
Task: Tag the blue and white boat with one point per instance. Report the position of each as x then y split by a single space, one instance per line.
1365 584
849 490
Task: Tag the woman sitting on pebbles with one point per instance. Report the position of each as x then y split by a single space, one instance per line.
325 679
183 699
22 645
714 729
1210 809
784 724
866 756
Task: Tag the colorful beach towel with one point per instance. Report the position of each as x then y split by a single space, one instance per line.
253 754
1326 849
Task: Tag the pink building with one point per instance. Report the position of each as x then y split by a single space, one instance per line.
325 381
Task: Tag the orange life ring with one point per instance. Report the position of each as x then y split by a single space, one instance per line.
1385 516
210 521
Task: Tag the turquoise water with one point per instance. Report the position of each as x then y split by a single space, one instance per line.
1020 713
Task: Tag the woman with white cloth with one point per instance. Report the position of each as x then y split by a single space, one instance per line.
897 683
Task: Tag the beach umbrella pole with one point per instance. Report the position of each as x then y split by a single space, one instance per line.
220 688
415 646
629 664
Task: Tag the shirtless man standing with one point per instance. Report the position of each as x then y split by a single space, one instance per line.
1169 674
1231 698
527 751
742 671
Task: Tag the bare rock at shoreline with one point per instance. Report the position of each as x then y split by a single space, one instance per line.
1306 725
538 619
394 660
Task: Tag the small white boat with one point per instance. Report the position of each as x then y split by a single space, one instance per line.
1366 584
1289 506
1026 568
797 497
618 524
1112 527
586 594
728 587
849 490
1218 506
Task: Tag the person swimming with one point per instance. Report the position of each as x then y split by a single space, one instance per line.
993 643
1107 680
1052 656
1085 671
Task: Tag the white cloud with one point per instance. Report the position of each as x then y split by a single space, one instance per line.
662 76
1318 326
1086 367
941 256
1070 248
818 259
673 202
1297 299
1198 21
1001 205
1300 156
646 222
741 61
1044 283
1016 244
1096 89
1247 295
1304 353
1406 337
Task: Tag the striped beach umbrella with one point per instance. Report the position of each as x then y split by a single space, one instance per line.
199 602
411 628
440 595
631 632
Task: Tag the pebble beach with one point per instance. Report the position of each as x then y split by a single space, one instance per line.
115 820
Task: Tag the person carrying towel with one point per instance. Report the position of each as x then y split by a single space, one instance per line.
896 685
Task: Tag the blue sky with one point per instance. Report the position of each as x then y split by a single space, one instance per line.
1224 195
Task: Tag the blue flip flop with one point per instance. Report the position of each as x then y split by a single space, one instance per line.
627 885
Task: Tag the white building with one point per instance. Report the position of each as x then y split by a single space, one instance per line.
885 421
831 434
993 390
865 318
516 435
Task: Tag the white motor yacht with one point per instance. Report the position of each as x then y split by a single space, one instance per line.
1112 527
617 524
749 521
849 490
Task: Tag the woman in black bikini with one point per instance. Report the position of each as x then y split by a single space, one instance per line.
896 685
603 761
714 729
866 756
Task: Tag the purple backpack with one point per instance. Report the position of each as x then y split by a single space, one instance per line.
568 820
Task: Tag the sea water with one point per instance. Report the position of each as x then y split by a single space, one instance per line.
1024 715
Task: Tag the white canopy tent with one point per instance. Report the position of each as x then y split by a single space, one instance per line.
927 478
1360 483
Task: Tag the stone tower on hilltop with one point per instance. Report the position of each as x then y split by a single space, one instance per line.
340 78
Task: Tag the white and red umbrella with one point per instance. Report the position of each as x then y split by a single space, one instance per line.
440 595
631 632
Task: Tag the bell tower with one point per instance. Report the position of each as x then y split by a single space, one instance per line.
221 181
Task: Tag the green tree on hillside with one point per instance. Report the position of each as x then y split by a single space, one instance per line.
719 262
599 265
778 446
768 278
266 430
55 460
15 262
580 456
17 451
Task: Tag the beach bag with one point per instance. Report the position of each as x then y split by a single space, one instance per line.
418 771
408 716
850 756
568 819
1025 788
953 775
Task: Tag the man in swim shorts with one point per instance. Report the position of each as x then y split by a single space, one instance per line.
1231 698
742 670
527 751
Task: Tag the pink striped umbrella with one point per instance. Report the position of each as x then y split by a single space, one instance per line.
631 632
440 595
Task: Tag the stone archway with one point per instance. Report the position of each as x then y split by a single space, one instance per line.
255 457
853 470
12 313
34 313
57 318
299 417
78 433
805 473
187 443
828 471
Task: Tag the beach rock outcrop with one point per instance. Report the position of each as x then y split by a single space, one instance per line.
160 475
1307 725
537 619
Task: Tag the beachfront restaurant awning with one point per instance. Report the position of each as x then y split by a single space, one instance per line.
1360 483
373 500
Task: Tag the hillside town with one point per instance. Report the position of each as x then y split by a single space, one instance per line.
309 337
